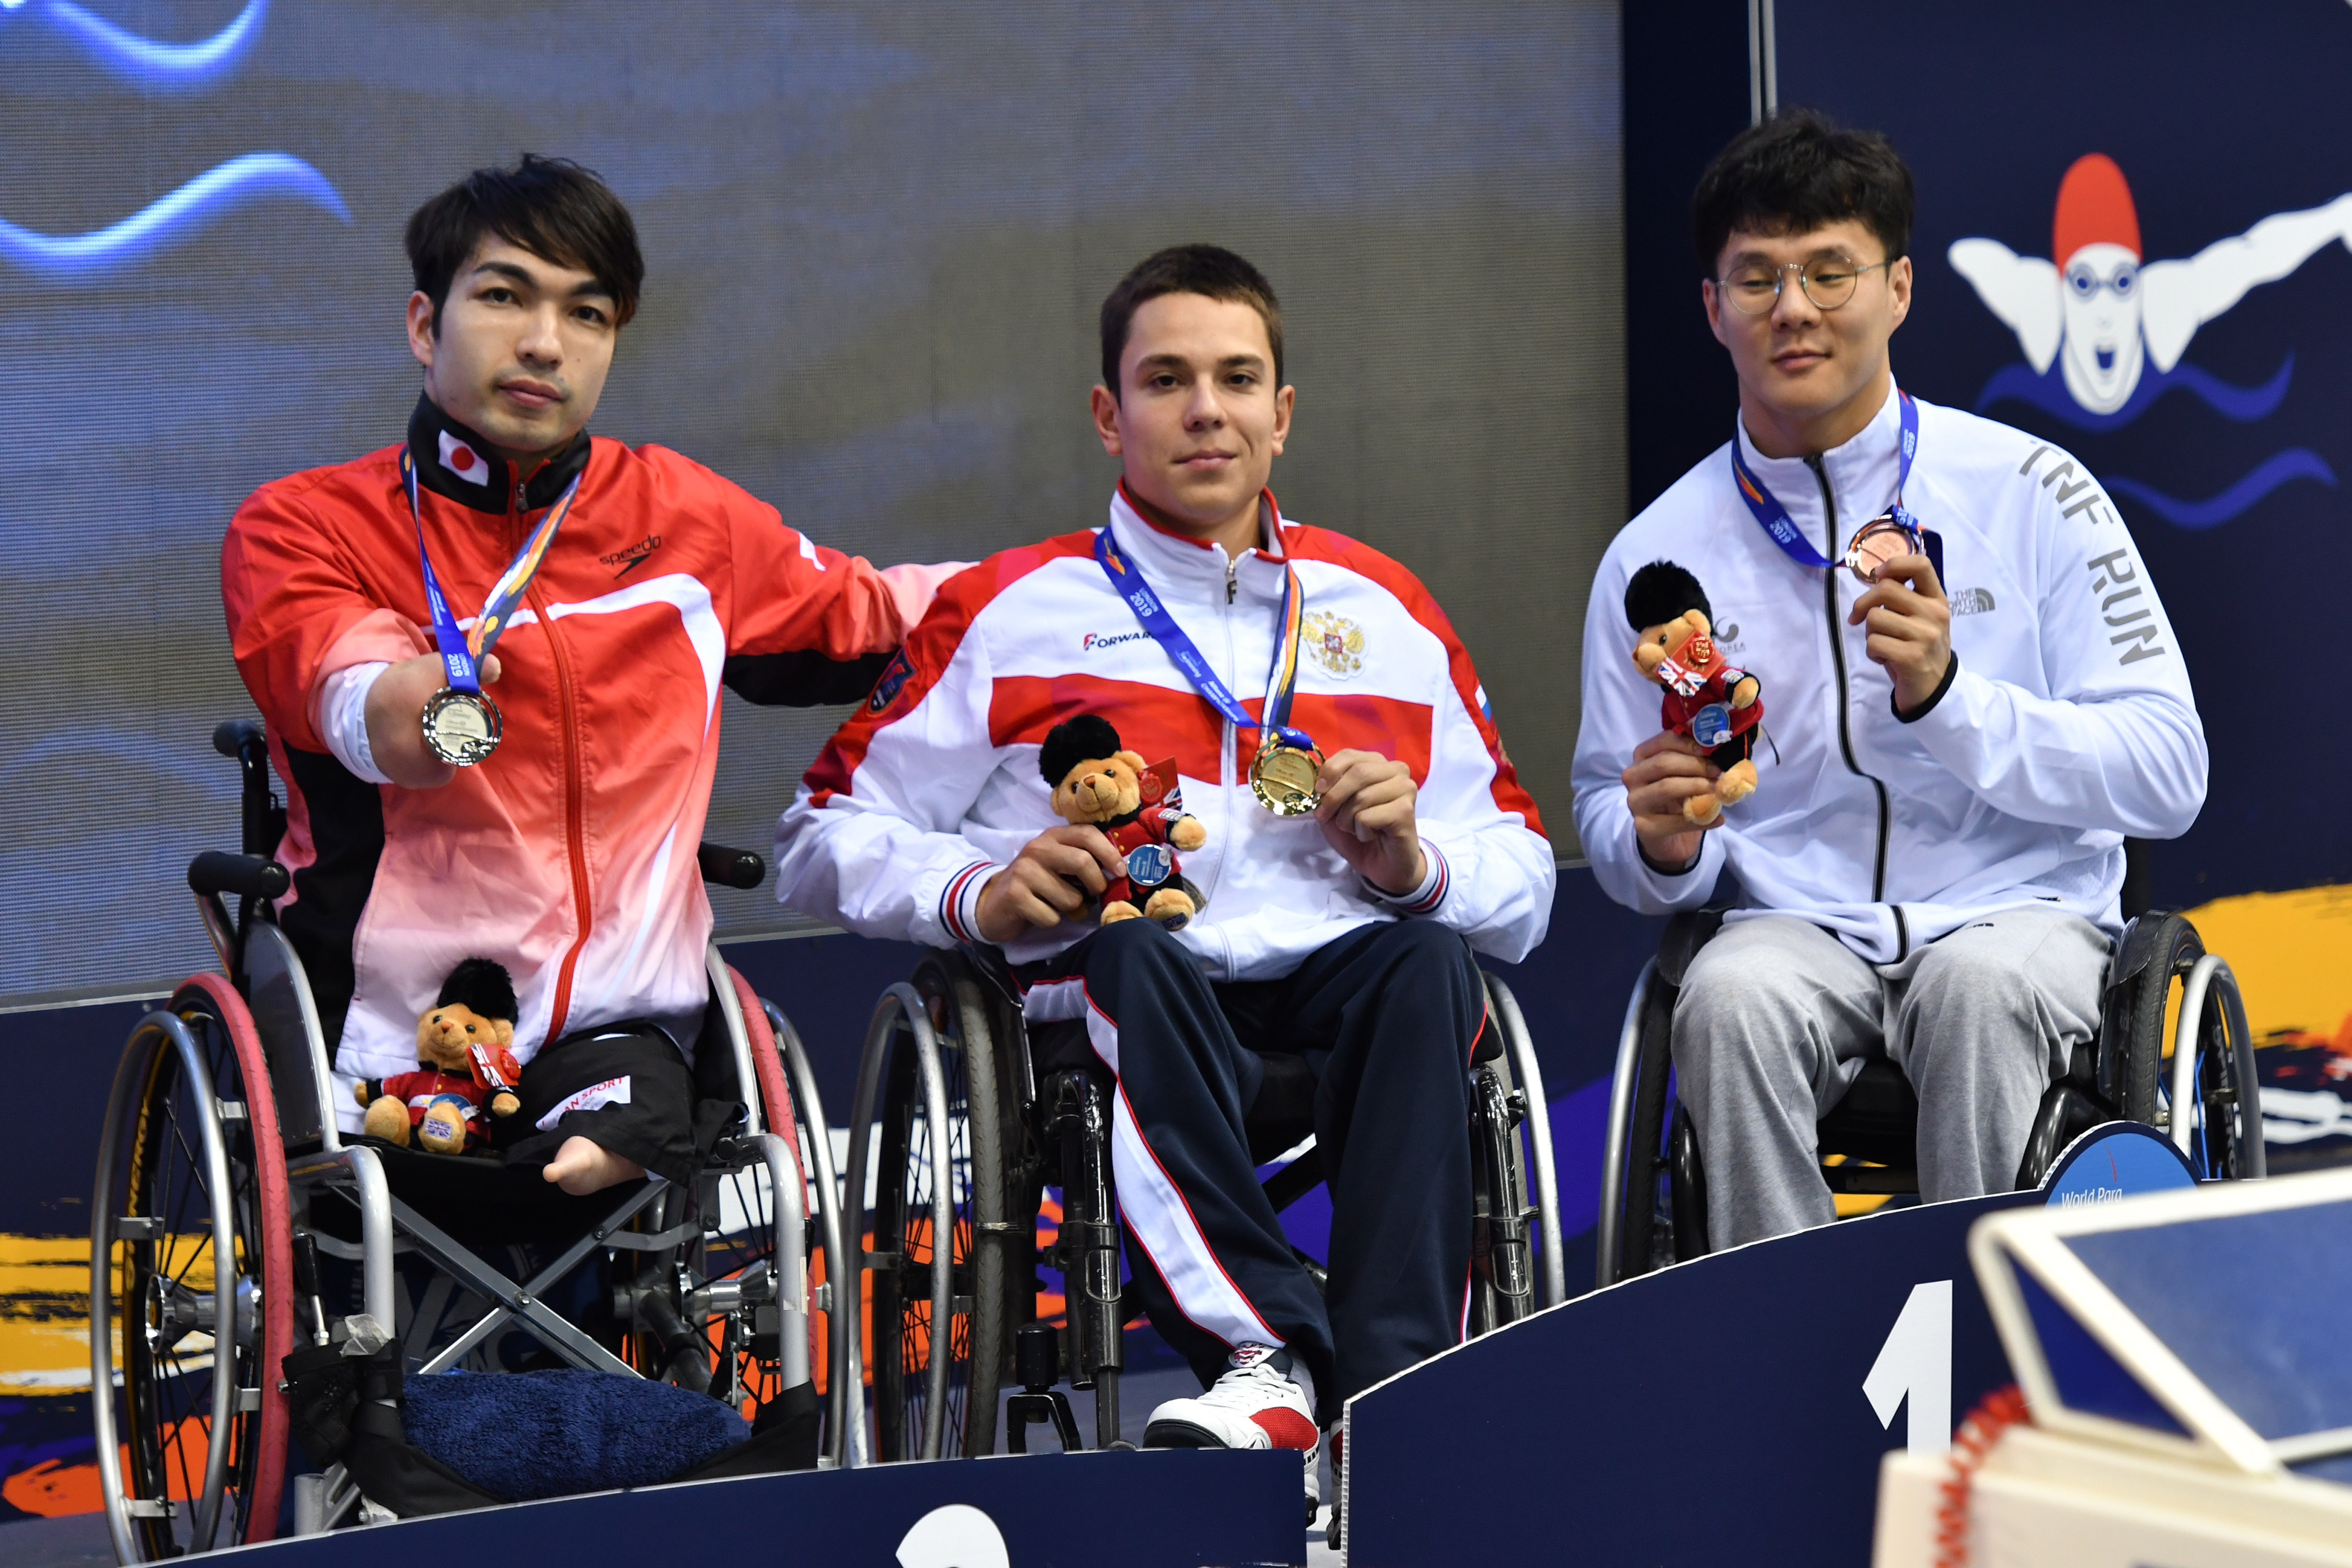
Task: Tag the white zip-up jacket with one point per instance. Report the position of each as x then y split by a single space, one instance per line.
933 786
2068 725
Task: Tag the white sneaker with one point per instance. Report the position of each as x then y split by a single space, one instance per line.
1253 1405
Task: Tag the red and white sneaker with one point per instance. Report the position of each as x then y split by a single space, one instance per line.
1253 1405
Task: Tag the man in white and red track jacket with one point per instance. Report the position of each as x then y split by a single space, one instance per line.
1337 938
568 856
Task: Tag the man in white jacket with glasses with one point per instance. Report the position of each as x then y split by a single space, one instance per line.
1972 695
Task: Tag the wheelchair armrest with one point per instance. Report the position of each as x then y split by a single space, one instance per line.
1685 935
217 871
731 867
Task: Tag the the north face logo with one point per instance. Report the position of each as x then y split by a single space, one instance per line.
463 460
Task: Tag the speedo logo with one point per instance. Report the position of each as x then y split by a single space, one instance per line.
632 558
1093 641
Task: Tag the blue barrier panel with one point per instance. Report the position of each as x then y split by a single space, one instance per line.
1730 1410
1162 1508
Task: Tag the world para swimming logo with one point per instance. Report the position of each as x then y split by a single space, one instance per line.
2104 330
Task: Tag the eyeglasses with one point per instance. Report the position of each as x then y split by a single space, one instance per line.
2084 283
1828 281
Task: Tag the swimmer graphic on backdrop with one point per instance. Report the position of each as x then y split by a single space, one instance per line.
2103 310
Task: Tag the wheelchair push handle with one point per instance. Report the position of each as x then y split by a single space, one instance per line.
731 867
232 736
217 871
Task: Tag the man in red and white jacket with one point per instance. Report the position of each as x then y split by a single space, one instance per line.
568 855
1335 936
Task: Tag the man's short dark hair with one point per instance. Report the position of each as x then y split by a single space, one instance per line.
1798 171
551 207
1206 269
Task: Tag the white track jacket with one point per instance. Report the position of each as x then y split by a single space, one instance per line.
2068 725
933 786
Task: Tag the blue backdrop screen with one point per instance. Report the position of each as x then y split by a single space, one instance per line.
877 238
2200 158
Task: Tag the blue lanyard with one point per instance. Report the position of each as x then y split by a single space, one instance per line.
461 656
1775 519
1282 679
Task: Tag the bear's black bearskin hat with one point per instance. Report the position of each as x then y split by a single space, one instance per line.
1662 592
1073 741
482 985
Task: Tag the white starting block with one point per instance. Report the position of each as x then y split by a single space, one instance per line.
2188 1370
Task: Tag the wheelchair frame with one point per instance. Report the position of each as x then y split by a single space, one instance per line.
2210 1104
1009 1136
256 1163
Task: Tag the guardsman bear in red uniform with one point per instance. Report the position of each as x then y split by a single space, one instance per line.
462 1060
1715 704
1139 808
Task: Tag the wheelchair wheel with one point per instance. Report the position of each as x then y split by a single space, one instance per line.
930 1077
1538 1179
835 1308
1510 1275
1502 1253
2196 1080
1637 1225
190 1285
743 1276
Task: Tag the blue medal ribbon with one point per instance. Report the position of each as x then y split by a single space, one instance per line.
461 655
1281 681
1774 518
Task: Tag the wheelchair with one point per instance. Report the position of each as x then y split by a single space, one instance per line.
965 1116
232 1225
2194 1079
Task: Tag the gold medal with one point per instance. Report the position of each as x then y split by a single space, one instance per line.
461 728
1283 779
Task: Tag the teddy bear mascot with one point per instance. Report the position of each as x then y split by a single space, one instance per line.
462 1059
1709 699
1139 808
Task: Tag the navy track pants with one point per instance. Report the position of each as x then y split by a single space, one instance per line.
1386 1018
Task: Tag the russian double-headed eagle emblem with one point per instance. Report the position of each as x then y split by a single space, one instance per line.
1335 642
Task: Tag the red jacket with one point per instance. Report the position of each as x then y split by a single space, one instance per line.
569 856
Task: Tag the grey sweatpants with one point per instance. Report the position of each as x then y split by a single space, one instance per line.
1776 1015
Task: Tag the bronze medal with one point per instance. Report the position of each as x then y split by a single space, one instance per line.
461 728
1880 539
1283 779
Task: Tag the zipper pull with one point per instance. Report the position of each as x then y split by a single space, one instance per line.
1231 567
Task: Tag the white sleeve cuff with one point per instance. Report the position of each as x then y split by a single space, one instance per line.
343 718
960 899
1421 899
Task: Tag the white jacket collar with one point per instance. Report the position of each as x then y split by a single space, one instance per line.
1188 571
1862 474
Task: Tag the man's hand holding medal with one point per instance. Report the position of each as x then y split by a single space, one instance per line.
1367 815
396 720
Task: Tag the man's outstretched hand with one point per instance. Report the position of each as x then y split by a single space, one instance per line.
1367 815
396 720
1054 875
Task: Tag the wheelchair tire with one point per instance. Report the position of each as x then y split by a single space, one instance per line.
191 1169
2213 1100
837 1315
2132 1076
752 1373
911 1364
1645 1227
